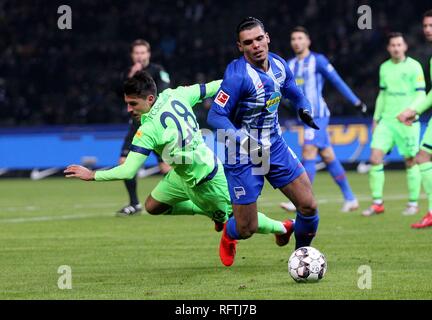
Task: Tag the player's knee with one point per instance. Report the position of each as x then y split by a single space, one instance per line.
308 208
246 231
375 160
151 208
328 158
410 162
423 157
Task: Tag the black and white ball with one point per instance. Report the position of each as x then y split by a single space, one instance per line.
307 264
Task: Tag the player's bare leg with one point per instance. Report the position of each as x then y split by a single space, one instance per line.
246 221
337 171
187 207
424 161
376 183
414 185
300 193
309 154
154 207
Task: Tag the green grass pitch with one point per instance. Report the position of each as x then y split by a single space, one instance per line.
53 222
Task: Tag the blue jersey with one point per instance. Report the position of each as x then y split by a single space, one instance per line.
249 98
310 75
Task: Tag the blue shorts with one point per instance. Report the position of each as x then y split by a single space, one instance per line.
319 138
245 185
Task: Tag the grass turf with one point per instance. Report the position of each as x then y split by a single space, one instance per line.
53 222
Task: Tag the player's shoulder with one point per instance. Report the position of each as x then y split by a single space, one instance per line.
155 67
386 64
236 71
413 62
236 67
276 57
319 58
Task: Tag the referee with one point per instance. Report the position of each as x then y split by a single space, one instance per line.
140 56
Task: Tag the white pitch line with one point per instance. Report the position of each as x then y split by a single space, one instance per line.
264 203
54 218
394 197
75 206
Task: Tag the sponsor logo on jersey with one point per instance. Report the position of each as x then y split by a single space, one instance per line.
239 191
273 102
222 98
299 81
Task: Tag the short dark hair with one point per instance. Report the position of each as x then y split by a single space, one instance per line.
249 23
392 35
300 29
427 14
140 42
141 85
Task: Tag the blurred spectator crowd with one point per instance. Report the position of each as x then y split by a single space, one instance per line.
52 76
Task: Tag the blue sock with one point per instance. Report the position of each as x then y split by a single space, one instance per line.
338 173
305 229
231 229
309 166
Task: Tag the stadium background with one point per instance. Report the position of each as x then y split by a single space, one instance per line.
60 90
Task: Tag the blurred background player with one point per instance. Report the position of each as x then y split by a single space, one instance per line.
401 84
310 70
140 56
423 158
246 108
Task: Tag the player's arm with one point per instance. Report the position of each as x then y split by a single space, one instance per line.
141 147
292 92
197 92
420 104
325 68
125 171
423 105
225 101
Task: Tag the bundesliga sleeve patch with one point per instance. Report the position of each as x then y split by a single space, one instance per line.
222 98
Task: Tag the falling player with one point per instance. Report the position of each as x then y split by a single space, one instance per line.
197 183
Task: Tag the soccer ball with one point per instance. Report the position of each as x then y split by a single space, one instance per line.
307 264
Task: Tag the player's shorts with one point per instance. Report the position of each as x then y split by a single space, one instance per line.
389 133
245 181
319 138
210 195
426 143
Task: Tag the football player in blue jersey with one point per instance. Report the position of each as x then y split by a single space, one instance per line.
245 110
310 70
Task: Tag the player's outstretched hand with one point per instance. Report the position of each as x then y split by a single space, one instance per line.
362 106
407 117
80 172
306 117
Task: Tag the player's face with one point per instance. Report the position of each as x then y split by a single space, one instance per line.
140 54
254 45
427 28
138 106
299 42
397 48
